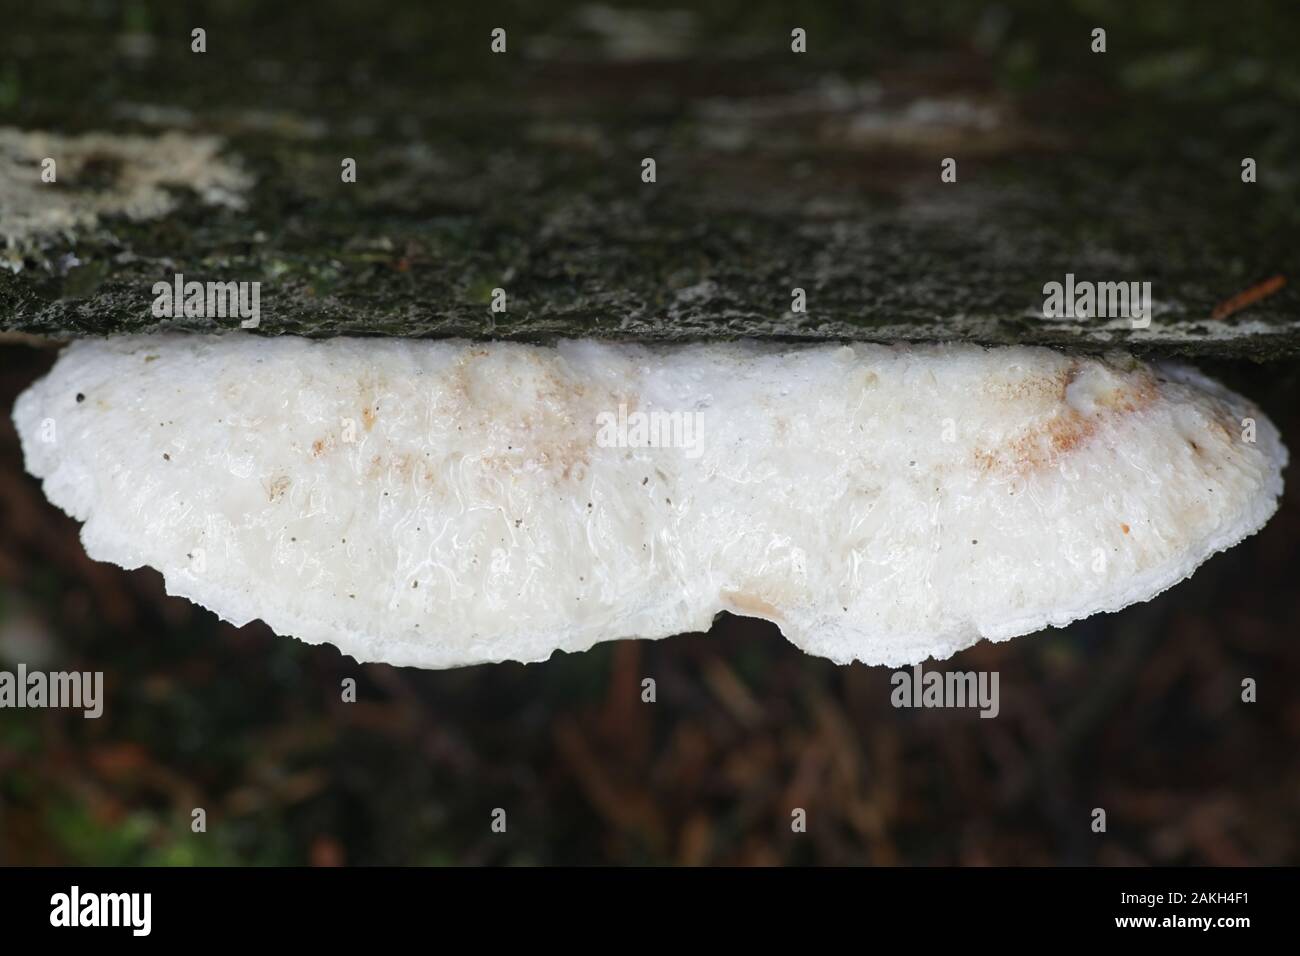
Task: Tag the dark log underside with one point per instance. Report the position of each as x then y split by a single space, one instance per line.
775 170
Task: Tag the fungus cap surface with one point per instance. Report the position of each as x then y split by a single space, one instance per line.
440 503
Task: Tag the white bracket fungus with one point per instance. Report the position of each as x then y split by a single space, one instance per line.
445 503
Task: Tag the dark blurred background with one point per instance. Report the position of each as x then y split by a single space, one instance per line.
1138 712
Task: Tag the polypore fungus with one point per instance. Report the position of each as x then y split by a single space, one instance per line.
446 503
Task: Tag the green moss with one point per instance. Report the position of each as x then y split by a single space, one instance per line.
523 171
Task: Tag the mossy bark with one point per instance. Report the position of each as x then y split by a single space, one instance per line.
775 171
